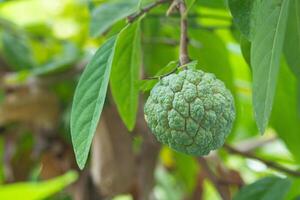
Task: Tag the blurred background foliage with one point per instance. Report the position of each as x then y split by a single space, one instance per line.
44 46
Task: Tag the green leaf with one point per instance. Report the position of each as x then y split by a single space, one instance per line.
146 85
292 38
285 118
38 190
205 46
189 5
267 45
212 3
270 188
142 3
243 13
294 192
89 99
125 73
17 51
107 14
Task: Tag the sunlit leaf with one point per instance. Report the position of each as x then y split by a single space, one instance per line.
270 188
205 47
125 73
292 38
105 15
212 3
89 100
267 44
37 190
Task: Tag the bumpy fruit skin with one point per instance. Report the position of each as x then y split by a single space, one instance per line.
191 112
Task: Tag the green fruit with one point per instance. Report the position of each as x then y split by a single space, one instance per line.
191 112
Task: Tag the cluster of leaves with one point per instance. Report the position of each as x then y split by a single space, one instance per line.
267 27
265 30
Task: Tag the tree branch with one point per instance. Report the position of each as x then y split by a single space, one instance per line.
194 15
144 10
268 163
183 55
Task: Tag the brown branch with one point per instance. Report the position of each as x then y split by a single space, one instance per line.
144 10
254 143
192 15
184 57
268 163
214 179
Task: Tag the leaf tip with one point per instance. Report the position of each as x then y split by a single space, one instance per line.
262 127
81 159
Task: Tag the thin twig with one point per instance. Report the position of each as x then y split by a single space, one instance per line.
268 163
193 15
184 58
213 178
144 10
254 143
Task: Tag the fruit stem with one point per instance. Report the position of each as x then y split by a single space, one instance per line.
183 54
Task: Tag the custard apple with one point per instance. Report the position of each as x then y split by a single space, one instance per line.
192 112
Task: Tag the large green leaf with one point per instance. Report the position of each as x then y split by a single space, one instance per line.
125 73
17 51
37 190
292 38
270 188
205 47
243 13
89 99
267 44
107 14
285 117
